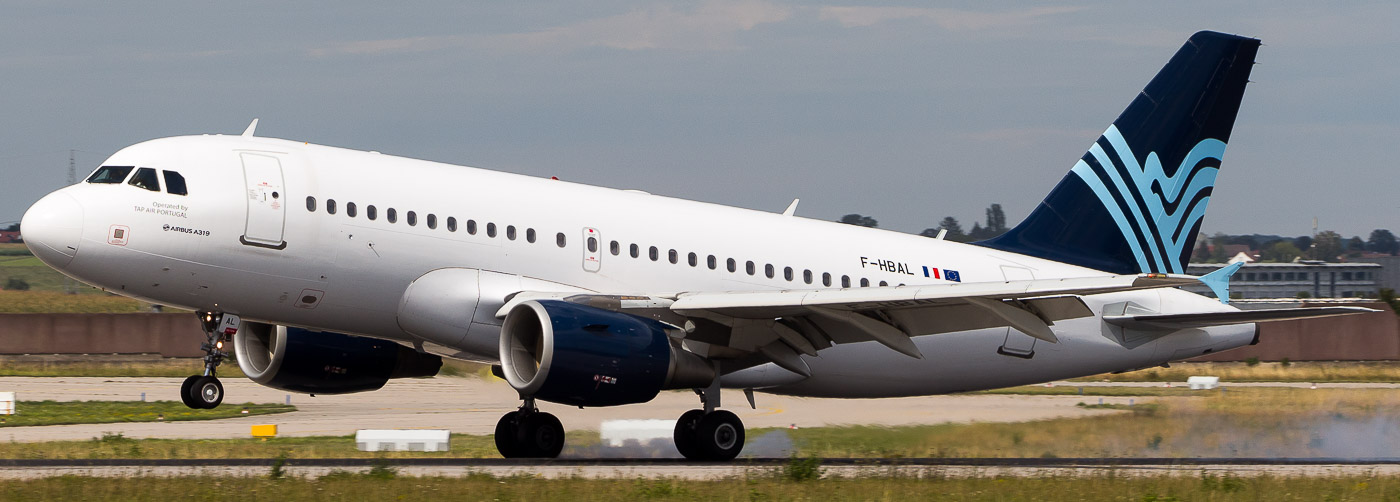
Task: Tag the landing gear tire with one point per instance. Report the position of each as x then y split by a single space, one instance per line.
542 436
529 434
685 434
186 395
206 392
505 435
717 436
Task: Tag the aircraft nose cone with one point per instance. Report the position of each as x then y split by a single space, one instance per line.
52 228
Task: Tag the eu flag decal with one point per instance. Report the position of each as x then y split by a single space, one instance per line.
951 275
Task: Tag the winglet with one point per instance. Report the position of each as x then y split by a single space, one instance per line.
248 133
791 209
1219 280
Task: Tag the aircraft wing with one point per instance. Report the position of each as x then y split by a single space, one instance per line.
1203 319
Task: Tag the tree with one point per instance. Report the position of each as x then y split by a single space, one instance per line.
1382 241
1280 252
1327 246
996 220
955 231
858 220
1302 242
1355 246
15 228
977 232
1202 252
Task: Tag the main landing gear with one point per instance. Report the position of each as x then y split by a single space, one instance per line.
529 433
205 391
707 434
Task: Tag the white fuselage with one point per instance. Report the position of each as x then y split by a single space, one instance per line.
336 272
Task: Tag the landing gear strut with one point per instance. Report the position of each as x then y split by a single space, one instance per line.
205 391
707 434
529 433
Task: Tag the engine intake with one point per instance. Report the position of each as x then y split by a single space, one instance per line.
585 356
318 362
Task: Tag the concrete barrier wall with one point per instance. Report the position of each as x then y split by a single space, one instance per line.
1362 337
170 335
1367 337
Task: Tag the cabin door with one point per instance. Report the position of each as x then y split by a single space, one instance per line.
265 198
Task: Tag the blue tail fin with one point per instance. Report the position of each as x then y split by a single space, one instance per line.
1134 203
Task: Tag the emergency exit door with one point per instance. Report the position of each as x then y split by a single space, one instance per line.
267 208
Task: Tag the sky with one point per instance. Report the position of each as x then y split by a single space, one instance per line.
901 111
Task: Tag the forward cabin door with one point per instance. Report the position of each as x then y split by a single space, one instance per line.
592 250
1017 344
267 209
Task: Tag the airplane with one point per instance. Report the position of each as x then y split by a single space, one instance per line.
332 271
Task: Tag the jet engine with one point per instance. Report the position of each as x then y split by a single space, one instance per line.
586 356
316 362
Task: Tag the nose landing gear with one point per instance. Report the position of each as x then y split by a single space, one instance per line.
529 433
205 391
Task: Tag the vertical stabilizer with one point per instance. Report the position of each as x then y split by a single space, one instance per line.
1135 201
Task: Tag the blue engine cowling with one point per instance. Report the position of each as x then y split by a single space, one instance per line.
317 362
586 356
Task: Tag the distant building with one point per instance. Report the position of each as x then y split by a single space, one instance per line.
1294 280
1390 275
7 236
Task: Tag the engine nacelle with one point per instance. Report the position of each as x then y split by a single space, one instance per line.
317 362
586 356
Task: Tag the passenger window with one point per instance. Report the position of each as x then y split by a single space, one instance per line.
692 259
560 239
371 212
883 284
110 174
452 224
471 227
350 209
391 215
787 273
145 178
330 206
712 262
592 244
826 279
731 265
807 276
673 256
311 204
412 218
432 220
530 235
510 232
654 253
614 248
634 251
174 183
864 283
490 229
768 270
845 281
750 267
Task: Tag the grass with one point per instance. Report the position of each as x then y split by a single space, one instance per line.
109 366
386 484
115 446
57 302
1240 422
1306 371
103 412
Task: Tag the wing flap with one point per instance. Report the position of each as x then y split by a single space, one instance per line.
1203 319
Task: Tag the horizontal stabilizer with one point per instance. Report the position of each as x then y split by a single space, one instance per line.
1203 319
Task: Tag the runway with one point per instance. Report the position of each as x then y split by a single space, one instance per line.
472 405
682 469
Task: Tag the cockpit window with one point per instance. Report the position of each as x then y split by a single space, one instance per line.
145 178
110 174
174 183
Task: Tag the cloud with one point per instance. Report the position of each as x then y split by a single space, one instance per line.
948 19
709 26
